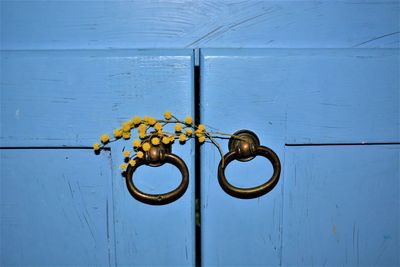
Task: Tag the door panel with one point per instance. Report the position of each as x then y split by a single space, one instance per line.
189 24
237 232
155 235
318 95
56 210
69 98
342 206
299 97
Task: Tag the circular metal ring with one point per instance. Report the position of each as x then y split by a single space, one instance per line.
159 199
252 192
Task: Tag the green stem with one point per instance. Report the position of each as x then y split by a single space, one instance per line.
218 146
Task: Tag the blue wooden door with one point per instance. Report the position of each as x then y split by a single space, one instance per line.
318 83
60 203
332 116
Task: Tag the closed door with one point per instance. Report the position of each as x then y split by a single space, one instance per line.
61 203
318 82
332 117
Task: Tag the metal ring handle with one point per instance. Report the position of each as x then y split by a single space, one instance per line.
159 199
251 192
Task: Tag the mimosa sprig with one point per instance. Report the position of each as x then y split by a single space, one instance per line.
152 132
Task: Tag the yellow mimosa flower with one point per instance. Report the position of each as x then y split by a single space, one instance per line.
105 138
158 126
96 147
132 162
123 166
126 135
188 120
182 137
189 132
178 127
136 143
167 115
155 141
146 146
126 153
136 120
165 140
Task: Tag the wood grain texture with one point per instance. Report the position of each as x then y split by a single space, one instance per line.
341 206
155 235
237 232
317 95
192 24
54 209
292 95
69 98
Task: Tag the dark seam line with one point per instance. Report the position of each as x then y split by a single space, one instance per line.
52 147
197 168
347 144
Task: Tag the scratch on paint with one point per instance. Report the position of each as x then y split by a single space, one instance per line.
247 20
354 231
381 250
108 234
204 36
107 223
90 228
376 38
70 189
358 249
334 229
220 30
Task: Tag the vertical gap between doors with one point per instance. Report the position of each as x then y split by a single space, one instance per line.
197 164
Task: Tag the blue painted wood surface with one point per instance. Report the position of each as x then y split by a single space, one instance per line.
60 87
237 232
317 95
155 235
341 206
56 208
190 24
302 96
69 98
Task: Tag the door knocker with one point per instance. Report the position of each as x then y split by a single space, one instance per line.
153 147
244 146
156 156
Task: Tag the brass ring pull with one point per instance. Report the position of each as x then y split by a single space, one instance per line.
158 156
244 148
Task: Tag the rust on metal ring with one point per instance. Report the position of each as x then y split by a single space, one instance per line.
158 199
252 192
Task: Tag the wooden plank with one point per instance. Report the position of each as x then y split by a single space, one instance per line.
190 24
237 232
318 95
54 98
342 206
54 212
155 235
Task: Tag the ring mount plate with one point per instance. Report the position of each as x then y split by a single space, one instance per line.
154 157
239 140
